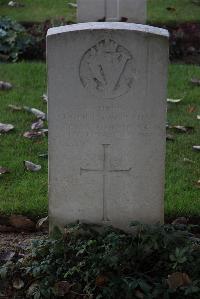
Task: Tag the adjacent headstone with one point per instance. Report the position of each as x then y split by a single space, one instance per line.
133 11
107 106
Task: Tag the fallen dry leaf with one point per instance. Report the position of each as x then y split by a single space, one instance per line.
6 256
196 2
101 280
45 98
21 223
37 125
74 5
18 283
33 134
15 4
5 85
4 128
62 288
15 108
171 8
198 117
195 81
174 101
139 295
45 156
191 109
4 170
170 137
45 131
30 166
38 113
198 184
180 220
196 147
43 222
182 129
188 160
178 279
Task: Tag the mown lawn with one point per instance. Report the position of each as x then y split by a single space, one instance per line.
22 191
26 193
173 11
39 10
159 11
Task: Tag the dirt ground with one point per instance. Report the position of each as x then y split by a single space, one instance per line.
16 241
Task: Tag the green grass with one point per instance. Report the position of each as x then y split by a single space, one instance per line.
40 10
182 196
26 193
22 191
185 11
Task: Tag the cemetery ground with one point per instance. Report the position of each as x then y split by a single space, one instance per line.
23 192
156 261
159 11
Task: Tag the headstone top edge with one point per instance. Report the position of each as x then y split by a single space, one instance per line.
110 26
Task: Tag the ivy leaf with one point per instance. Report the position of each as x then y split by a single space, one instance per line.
144 286
34 291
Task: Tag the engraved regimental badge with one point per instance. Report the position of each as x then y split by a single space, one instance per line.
107 69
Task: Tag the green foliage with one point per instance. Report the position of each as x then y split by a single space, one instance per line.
95 262
14 40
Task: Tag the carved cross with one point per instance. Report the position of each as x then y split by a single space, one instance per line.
105 171
112 10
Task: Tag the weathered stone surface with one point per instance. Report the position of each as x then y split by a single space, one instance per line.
133 11
107 105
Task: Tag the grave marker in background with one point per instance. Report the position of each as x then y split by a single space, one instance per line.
107 106
132 11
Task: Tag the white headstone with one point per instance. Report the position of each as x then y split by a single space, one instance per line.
132 11
107 105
